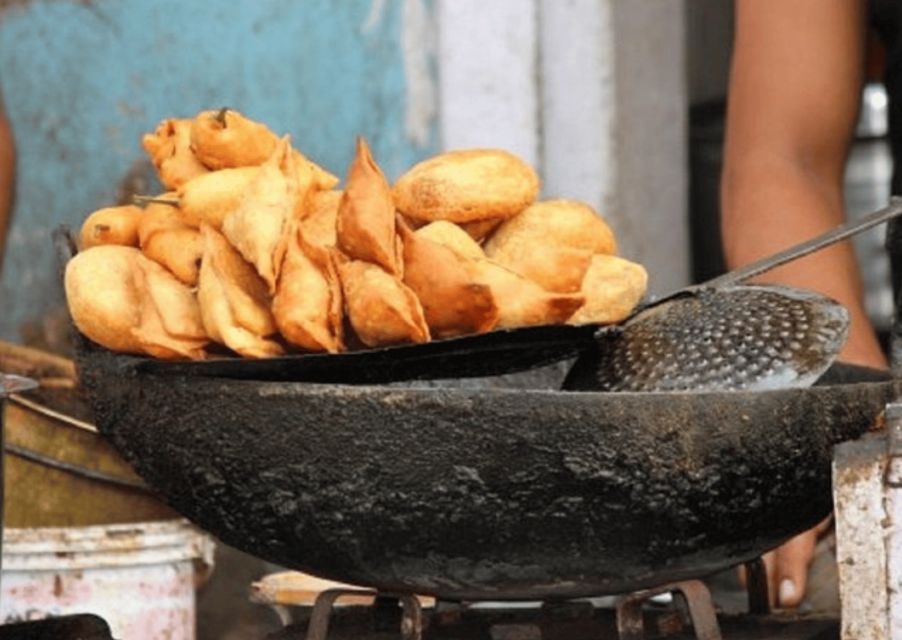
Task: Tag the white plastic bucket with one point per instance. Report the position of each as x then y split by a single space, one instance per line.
140 578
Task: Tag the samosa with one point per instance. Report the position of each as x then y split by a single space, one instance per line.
320 221
366 215
454 303
381 309
521 302
171 326
308 303
234 301
209 198
258 226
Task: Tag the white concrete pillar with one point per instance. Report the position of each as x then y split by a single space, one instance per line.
590 92
487 53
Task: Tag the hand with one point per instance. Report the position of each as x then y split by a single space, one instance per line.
787 567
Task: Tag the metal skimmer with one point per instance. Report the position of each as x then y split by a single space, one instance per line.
721 336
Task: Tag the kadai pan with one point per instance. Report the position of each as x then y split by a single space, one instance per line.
487 493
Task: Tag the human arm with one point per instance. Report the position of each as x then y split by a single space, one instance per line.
795 83
794 92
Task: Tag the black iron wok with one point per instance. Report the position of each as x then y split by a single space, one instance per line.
482 494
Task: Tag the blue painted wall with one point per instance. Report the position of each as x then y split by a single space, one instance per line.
83 79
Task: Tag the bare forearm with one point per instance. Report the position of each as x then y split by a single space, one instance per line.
770 203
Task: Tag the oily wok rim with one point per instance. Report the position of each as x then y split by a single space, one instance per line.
840 376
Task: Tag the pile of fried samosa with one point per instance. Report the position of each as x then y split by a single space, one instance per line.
254 248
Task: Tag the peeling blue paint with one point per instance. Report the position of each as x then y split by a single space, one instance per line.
83 80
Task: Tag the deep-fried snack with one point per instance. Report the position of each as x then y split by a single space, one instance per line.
522 302
321 179
612 287
468 185
209 198
234 302
321 219
102 297
111 225
381 309
452 236
308 303
479 230
366 214
170 326
558 223
257 227
226 138
453 302
556 268
169 148
165 238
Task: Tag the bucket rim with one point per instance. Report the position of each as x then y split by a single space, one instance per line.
119 536
99 546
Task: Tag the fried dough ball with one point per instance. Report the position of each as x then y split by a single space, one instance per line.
234 302
226 138
557 223
209 198
382 309
452 236
171 326
308 303
102 297
169 148
454 303
320 222
111 225
366 214
522 302
612 287
465 186
165 238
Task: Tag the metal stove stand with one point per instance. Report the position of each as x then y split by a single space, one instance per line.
635 616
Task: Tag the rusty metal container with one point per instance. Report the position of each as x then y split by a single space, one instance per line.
58 470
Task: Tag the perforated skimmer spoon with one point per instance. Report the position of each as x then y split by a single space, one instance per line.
721 335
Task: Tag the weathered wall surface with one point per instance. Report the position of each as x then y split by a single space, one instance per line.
83 80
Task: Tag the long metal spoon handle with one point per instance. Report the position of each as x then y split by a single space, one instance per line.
843 231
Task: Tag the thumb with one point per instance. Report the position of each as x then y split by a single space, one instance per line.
792 562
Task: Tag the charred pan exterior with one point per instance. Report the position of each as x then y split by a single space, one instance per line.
483 494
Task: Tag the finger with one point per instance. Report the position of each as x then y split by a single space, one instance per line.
791 570
770 567
824 526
